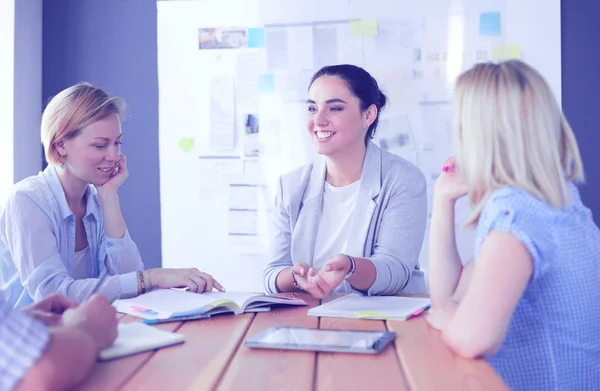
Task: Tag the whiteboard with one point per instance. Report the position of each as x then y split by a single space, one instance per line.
233 77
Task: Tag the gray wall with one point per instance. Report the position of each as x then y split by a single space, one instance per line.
112 44
28 88
581 87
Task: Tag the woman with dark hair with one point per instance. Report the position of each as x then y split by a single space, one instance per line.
354 219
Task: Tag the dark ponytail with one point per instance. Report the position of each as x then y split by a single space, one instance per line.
362 85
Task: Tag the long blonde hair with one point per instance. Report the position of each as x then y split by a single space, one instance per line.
71 110
510 131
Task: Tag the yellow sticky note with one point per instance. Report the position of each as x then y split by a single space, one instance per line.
367 314
220 303
363 27
186 144
506 52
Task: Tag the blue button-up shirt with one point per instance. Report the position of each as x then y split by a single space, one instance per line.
37 246
553 339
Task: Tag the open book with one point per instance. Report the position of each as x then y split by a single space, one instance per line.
136 338
372 307
174 304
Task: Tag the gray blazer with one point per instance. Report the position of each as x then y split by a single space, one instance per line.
388 224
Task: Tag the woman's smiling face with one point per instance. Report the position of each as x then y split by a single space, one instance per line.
334 118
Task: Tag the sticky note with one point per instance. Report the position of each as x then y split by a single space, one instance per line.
186 144
144 310
489 24
256 37
363 28
367 313
220 303
506 52
371 314
266 83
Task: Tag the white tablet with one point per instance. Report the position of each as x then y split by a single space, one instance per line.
295 338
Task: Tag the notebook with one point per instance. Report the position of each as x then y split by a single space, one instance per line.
177 304
136 338
372 307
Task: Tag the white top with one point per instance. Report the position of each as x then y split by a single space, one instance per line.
82 264
336 216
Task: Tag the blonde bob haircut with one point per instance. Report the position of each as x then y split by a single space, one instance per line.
510 131
72 110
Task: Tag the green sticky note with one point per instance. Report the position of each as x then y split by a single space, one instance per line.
506 52
186 144
363 28
372 314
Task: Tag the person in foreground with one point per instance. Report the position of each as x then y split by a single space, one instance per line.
354 219
63 229
53 344
529 301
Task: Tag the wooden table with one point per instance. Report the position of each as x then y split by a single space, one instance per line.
214 357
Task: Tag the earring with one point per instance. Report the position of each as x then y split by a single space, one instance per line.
365 125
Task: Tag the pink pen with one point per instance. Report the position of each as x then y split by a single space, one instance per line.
418 312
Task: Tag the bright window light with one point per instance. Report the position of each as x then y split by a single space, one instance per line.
7 54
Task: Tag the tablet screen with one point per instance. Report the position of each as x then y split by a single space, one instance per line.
319 339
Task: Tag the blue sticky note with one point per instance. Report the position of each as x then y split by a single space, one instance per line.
266 83
256 37
489 24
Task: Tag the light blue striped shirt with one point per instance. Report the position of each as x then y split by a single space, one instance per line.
37 246
22 342
553 339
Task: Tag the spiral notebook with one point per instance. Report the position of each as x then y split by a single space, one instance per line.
137 338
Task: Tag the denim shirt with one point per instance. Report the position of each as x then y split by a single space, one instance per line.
37 246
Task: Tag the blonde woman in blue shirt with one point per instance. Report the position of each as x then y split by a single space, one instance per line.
62 229
529 302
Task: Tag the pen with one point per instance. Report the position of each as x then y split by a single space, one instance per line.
177 319
419 312
97 286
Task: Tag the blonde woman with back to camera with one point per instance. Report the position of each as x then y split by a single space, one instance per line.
63 229
529 301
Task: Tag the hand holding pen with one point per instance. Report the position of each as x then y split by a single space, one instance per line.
96 317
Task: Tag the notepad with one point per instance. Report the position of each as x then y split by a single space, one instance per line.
372 307
175 304
137 338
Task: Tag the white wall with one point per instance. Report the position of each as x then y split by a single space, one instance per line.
194 224
536 25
